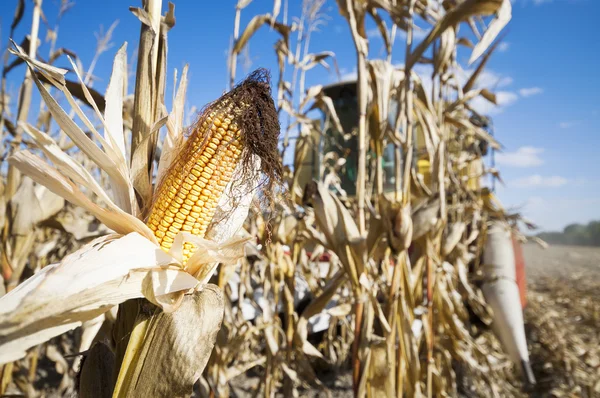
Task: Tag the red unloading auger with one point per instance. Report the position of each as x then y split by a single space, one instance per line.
520 270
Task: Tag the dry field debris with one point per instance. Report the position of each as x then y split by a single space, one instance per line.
146 256
563 319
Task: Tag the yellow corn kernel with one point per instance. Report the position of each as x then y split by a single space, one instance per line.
187 197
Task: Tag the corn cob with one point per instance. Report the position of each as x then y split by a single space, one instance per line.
188 196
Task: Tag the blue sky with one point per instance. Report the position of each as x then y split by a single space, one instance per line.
546 74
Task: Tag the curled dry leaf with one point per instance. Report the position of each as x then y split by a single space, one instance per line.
454 16
425 217
503 16
384 78
107 159
254 25
453 237
44 174
339 228
102 274
446 49
312 60
180 346
31 205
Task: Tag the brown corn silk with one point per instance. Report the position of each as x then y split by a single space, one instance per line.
229 132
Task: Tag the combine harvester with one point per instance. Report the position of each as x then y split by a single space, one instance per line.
504 282
504 268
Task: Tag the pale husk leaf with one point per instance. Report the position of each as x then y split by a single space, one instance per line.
85 284
209 253
503 16
235 202
111 161
190 333
31 205
57 74
174 128
66 164
44 174
113 113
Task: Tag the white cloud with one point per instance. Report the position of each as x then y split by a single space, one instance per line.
556 213
525 156
491 80
418 34
535 201
421 69
346 75
568 125
504 46
528 92
536 181
487 79
506 98
373 34
485 107
585 182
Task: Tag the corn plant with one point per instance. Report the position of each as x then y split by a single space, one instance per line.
392 274
403 306
79 288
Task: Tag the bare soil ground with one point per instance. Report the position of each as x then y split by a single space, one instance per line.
563 320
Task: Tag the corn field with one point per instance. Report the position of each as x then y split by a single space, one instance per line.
150 252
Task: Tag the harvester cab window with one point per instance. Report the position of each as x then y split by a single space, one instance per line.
345 144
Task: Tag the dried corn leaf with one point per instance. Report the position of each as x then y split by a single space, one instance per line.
19 11
84 285
113 114
503 16
174 127
52 73
454 16
31 205
340 230
254 25
51 178
177 348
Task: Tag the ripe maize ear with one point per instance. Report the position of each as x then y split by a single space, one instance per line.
234 130
187 197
